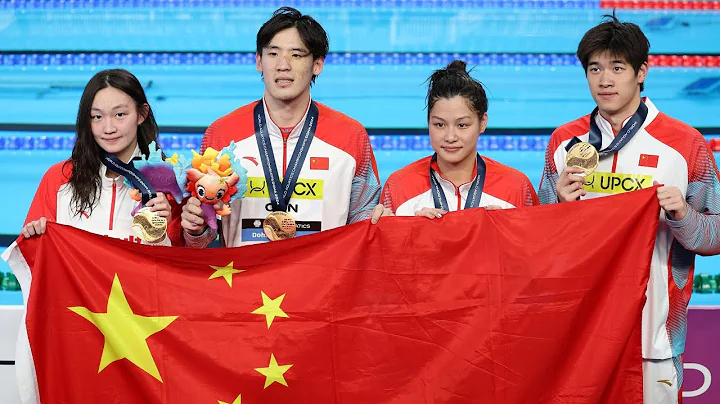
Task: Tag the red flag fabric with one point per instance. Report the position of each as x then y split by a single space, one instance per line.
531 305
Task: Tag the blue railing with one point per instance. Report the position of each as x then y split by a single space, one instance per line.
248 58
378 142
72 4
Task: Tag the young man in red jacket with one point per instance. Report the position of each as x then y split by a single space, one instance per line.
640 146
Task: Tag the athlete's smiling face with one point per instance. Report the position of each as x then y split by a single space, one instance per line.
454 129
114 119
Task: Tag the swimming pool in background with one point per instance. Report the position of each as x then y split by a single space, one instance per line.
195 59
34 153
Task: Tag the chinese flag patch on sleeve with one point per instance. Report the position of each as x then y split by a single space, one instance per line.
319 163
648 160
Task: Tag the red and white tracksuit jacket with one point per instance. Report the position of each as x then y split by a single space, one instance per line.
674 154
408 189
338 182
111 215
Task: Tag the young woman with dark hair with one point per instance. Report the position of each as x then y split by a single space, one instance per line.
456 177
113 118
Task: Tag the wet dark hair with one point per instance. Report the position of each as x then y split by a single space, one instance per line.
311 32
622 39
86 156
454 80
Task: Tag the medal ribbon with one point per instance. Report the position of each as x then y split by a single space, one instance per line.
626 133
128 170
474 194
272 177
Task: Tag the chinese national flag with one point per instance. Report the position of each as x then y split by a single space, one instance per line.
648 160
530 305
319 163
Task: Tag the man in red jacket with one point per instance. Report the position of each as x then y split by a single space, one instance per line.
310 168
639 146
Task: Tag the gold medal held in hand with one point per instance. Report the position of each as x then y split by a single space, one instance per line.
584 156
148 225
279 226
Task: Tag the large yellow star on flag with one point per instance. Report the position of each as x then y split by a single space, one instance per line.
125 332
226 272
271 308
237 401
274 373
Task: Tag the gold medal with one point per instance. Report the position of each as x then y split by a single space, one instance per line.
148 225
584 156
279 226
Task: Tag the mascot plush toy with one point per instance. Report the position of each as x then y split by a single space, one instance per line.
160 173
216 178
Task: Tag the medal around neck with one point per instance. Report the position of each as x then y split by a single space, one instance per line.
148 225
279 226
584 156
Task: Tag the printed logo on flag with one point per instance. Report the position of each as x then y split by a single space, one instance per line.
648 160
319 163
614 183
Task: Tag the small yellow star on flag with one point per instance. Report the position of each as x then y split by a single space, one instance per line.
274 372
125 332
225 272
271 308
237 401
